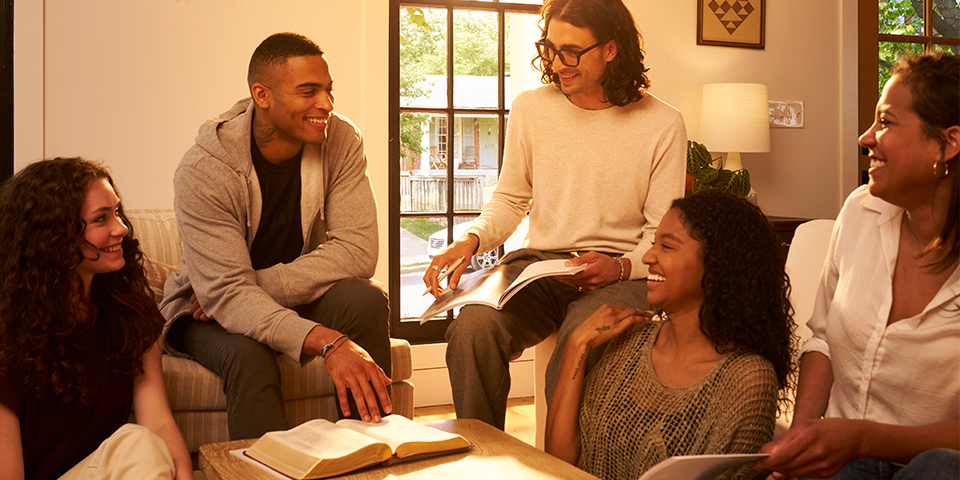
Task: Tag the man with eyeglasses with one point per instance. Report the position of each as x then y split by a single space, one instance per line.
595 160
278 220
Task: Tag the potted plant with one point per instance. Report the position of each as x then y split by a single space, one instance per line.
701 175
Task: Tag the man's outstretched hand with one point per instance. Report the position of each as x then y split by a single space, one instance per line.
352 368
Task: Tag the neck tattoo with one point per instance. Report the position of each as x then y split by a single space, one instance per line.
263 134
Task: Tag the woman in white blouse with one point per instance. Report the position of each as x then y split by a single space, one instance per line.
883 366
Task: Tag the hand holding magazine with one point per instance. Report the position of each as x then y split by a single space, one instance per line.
495 285
320 448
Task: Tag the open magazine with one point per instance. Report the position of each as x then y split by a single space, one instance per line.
701 467
495 285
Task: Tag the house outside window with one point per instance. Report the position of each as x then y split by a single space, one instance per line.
456 66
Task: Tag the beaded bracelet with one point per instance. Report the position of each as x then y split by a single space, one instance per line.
620 278
328 348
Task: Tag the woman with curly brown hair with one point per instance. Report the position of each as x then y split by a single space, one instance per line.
78 334
707 378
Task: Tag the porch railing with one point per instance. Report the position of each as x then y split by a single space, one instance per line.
429 194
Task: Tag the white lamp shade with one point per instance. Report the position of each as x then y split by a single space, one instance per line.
734 117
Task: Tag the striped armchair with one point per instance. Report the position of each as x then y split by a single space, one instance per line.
195 393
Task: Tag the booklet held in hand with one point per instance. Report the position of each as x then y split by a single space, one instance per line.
495 285
320 448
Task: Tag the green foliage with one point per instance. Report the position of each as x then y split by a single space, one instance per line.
423 51
905 17
421 227
705 176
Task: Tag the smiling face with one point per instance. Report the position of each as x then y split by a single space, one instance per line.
581 83
102 237
676 269
901 154
295 101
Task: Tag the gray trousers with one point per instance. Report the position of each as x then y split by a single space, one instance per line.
251 377
482 340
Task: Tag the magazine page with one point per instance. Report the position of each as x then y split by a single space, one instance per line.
537 270
483 287
700 467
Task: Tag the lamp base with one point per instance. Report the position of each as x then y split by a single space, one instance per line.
733 162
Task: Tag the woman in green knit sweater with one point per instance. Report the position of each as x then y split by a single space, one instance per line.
707 377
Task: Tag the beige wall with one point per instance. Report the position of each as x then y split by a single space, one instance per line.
802 175
130 82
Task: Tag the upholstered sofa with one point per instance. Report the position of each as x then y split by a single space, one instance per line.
195 393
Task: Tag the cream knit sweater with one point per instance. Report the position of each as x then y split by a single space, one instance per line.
591 179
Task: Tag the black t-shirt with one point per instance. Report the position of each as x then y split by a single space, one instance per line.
279 236
55 435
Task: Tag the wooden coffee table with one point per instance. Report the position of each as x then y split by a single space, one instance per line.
495 455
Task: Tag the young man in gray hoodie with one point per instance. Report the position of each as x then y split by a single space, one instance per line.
279 227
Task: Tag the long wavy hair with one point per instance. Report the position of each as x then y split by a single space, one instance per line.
932 79
625 80
746 292
41 297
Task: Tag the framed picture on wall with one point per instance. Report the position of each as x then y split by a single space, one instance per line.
731 23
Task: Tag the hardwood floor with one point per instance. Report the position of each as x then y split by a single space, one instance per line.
521 417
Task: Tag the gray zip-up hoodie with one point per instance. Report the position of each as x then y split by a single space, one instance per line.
218 205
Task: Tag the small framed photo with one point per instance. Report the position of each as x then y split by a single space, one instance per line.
731 23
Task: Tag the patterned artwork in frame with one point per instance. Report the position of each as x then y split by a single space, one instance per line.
731 23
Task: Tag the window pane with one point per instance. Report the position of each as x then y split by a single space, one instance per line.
423 162
890 53
946 19
954 49
420 240
898 17
423 57
522 30
476 146
475 59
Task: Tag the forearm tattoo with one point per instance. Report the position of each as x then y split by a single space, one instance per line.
583 358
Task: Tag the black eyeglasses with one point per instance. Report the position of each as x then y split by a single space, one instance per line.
570 58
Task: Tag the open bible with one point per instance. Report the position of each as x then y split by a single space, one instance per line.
495 285
320 448
701 467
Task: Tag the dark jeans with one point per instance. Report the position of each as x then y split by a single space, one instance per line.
937 464
251 377
482 341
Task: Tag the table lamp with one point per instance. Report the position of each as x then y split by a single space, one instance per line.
734 118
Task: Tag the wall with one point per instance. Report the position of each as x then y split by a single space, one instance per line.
804 174
130 82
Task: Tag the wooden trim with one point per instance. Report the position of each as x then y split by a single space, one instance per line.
6 90
868 65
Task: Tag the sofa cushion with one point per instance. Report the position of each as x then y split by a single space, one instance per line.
157 231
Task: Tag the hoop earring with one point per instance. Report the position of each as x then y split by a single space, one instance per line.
940 168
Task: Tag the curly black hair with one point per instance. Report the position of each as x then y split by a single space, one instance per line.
41 293
626 79
746 292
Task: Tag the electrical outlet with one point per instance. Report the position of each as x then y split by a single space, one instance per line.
786 114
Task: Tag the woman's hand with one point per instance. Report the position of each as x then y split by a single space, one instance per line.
607 322
817 448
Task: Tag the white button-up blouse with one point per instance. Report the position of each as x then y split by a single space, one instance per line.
907 373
